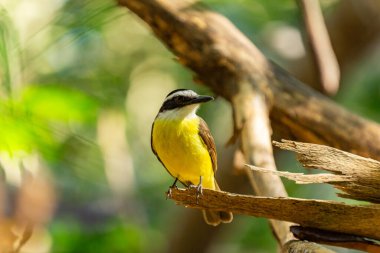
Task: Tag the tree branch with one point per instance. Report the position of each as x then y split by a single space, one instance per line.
321 214
223 58
251 118
324 56
353 27
336 239
356 176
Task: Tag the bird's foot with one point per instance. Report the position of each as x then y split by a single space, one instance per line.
169 192
199 189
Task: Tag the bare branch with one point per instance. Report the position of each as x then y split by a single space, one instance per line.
321 214
301 178
252 121
328 68
336 239
304 246
354 28
357 177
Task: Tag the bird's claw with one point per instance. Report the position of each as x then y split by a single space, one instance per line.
169 192
199 191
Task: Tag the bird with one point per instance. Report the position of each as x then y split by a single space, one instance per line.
182 142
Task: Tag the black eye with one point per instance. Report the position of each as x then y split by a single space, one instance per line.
181 100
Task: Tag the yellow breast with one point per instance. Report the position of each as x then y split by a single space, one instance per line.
182 151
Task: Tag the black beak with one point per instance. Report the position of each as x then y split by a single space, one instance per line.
201 99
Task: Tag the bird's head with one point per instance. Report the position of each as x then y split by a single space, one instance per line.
182 103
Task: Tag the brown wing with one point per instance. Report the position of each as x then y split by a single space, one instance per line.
206 136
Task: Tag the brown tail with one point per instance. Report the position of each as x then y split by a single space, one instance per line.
214 218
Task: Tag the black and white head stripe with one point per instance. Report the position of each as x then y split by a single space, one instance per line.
182 97
181 93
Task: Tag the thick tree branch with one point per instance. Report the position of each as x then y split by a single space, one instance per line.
251 117
336 239
321 214
223 58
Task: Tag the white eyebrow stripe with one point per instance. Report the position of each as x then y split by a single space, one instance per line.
185 93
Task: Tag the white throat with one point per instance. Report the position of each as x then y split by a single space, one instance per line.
186 112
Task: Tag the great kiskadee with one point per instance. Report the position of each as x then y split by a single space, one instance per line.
183 144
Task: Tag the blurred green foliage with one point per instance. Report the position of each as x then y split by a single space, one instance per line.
114 237
64 77
24 120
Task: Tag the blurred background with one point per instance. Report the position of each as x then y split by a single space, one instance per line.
81 83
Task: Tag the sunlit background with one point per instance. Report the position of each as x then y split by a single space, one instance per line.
81 82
